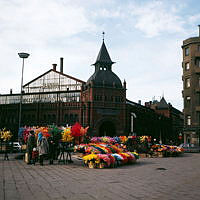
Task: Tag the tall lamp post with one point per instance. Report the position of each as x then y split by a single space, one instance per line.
23 56
133 115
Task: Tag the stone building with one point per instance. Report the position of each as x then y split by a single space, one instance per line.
174 116
191 89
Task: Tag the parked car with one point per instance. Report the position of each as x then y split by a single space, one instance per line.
16 146
190 148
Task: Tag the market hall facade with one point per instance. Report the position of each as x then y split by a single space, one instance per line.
100 103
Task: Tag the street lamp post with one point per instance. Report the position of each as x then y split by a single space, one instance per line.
133 115
23 56
160 121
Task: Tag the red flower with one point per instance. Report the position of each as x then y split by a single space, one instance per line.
75 130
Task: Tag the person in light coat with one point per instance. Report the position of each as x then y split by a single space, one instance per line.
42 146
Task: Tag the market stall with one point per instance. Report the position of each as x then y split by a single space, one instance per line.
162 150
104 155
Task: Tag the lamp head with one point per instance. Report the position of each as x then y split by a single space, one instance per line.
23 55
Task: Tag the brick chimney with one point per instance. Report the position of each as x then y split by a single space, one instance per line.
61 65
199 30
54 67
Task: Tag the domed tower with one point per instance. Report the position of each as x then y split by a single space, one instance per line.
104 98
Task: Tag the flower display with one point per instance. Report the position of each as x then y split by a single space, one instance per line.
66 135
25 134
103 155
5 135
145 138
167 150
20 132
136 155
95 139
123 139
111 140
77 130
83 131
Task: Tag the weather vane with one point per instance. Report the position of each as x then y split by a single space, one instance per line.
103 33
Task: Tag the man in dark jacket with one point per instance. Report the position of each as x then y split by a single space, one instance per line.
51 149
31 143
7 147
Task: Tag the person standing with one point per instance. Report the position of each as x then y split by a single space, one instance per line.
51 149
43 147
31 143
7 147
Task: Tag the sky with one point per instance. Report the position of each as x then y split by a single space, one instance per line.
143 37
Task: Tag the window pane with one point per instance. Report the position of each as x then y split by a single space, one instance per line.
187 66
188 98
186 51
198 63
187 83
188 120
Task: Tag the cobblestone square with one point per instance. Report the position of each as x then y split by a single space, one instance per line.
150 178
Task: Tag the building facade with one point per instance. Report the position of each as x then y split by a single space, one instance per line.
191 89
100 103
104 98
173 118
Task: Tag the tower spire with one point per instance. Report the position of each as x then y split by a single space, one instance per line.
103 56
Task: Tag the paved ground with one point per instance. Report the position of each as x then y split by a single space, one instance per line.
141 181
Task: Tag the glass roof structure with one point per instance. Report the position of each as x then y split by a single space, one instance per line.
51 86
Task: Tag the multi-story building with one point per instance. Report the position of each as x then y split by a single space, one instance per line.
191 89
